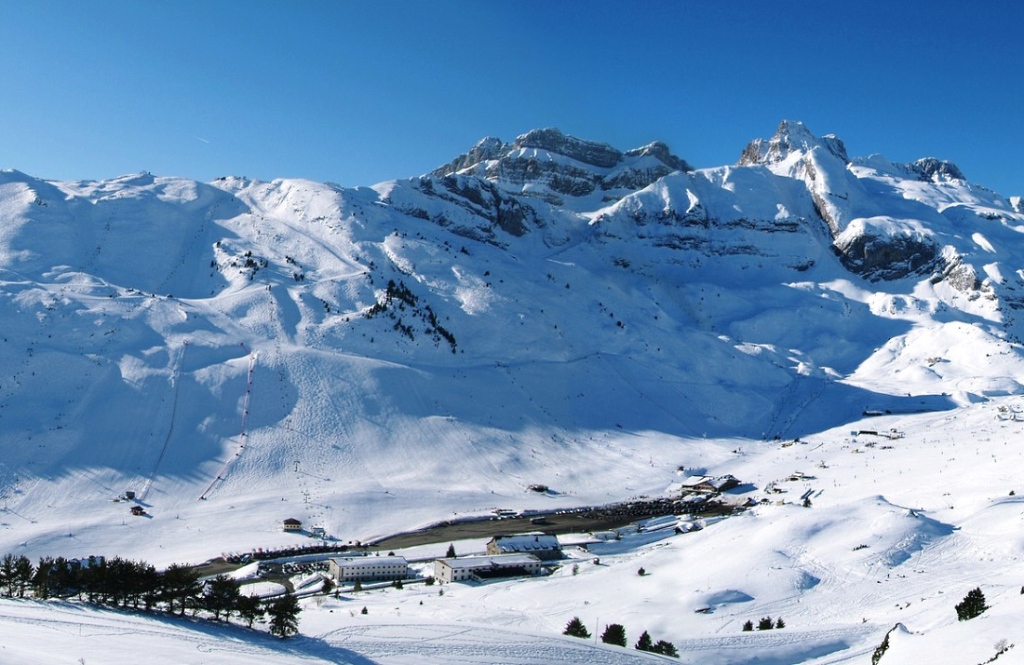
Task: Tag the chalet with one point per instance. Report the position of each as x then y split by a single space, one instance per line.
479 568
380 568
292 524
138 511
543 546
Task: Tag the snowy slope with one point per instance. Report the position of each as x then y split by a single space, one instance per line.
549 311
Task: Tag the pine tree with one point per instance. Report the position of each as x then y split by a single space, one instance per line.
8 578
972 605
748 626
779 623
180 584
23 573
765 623
451 551
250 609
221 596
644 643
284 616
614 634
575 628
665 649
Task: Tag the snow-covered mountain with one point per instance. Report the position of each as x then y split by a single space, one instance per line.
550 310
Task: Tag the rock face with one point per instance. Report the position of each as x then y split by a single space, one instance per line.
930 169
548 164
885 257
790 138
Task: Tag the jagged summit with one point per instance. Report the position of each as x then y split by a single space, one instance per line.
791 137
552 140
551 165
930 169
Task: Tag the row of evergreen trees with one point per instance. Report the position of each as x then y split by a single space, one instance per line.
766 623
137 585
615 633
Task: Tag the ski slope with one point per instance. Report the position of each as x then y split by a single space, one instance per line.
372 360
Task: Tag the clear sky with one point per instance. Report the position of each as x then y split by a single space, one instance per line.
360 92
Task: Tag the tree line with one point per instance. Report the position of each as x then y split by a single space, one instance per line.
138 586
615 633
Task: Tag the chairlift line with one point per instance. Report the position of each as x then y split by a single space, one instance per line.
242 436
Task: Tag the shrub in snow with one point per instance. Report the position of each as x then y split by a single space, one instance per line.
765 623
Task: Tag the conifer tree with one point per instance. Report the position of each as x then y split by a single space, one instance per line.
221 596
614 633
666 649
284 616
575 628
250 609
644 643
972 605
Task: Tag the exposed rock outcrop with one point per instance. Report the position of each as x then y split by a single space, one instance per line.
789 138
930 169
886 256
551 165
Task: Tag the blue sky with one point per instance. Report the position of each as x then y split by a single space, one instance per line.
362 92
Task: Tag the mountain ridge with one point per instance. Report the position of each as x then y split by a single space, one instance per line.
500 314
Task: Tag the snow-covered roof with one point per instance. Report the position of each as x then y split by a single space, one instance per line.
496 560
366 561
526 543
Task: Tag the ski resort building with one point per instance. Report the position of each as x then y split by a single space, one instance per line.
543 546
292 524
381 568
479 568
709 483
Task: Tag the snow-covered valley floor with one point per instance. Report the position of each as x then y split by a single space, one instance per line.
898 530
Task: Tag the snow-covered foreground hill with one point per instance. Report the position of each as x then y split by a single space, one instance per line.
550 311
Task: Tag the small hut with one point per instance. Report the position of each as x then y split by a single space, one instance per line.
292 524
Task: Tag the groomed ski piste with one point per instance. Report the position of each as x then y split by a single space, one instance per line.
214 349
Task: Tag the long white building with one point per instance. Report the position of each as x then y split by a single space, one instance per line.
482 567
352 568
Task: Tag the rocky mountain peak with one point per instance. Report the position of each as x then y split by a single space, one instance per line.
660 151
931 169
593 153
549 164
790 137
